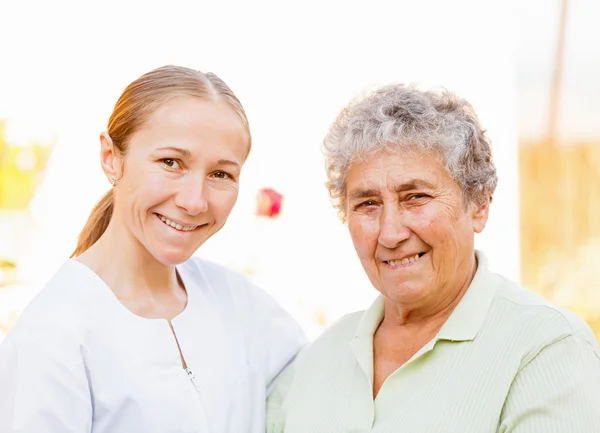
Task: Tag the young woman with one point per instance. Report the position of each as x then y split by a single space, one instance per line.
133 334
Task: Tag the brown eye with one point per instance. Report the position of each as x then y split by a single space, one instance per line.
367 203
170 163
221 175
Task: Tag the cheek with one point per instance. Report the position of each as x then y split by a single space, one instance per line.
223 201
146 185
364 233
433 225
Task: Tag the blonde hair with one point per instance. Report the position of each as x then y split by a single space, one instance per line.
134 107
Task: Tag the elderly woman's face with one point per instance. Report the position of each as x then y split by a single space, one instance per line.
410 228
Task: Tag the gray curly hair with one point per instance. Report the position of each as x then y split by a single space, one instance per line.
397 117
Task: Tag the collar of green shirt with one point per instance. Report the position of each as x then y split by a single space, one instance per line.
463 324
465 321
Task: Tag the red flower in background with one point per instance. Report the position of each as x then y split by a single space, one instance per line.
268 203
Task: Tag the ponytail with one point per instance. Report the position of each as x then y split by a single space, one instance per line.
96 224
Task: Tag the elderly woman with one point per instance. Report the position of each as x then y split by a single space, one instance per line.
449 346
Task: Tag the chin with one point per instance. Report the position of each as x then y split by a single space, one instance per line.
406 293
173 258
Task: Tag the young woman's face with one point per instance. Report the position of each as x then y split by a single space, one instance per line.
179 179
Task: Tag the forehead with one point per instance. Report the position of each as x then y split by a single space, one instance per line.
187 111
392 170
189 122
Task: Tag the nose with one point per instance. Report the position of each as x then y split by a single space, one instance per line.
192 197
392 227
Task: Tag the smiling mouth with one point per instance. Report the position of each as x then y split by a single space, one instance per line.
405 260
177 226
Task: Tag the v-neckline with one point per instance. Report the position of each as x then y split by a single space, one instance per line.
120 306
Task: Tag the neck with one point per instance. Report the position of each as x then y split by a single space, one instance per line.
432 314
127 267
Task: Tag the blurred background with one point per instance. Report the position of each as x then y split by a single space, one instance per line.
528 67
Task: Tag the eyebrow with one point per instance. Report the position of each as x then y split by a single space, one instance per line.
362 193
228 162
186 153
409 185
183 152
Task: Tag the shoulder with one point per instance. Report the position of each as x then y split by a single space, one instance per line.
267 324
334 339
214 274
317 362
227 287
343 329
538 321
52 327
59 308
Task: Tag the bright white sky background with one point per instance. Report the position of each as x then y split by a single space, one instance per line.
294 65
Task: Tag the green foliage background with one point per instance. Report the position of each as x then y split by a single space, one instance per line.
18 182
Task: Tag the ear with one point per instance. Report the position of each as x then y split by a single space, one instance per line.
109 157
480 212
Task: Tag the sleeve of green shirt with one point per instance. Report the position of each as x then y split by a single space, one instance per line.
275 415
558 391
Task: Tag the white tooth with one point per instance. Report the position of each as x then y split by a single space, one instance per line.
405 261
411 259
178 226
162 218
416 257
172 224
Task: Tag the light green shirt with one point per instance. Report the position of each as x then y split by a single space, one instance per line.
505 361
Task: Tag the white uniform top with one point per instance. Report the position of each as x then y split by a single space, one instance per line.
79 361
